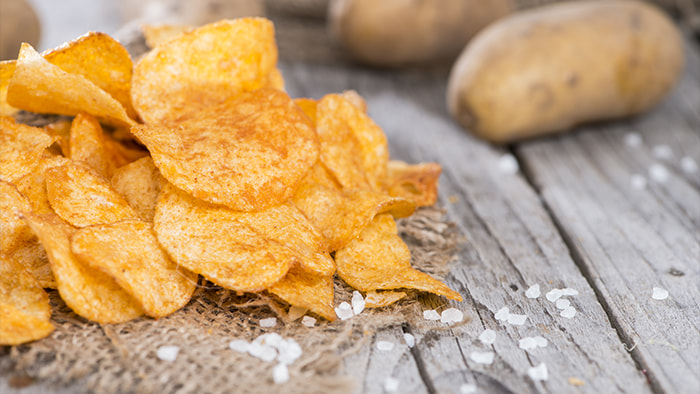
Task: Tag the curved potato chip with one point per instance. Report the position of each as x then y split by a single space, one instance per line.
21 146
25 312
87 145
247 153
130 253
39 86
82 197
308 290
33 185
380 299
204 67
417 182
140 184
379 259
90 293
308 106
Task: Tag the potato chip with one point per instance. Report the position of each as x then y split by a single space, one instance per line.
87 145
39 86
356 100
353 147
308 106
32 256
247 153
33 185
379 259
90 293
140 184
130 253
21 146
161 33
61 131
82 197
417 182
25 312
308 290
380 299
7 68
204 67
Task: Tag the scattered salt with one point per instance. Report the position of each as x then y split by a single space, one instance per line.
262 351
269 322
167 353
507 164
467 388
638 182
662 152
308 321
288 351
517 320
562 303
344 311
296 312
410 340
358 302
239 345
569 312
533 291
488 337
554 294
658 173
502 314
659 294
633 140
391 385
451 315
385 346
482 357
532 342
689 165
538 373
431 314
280 373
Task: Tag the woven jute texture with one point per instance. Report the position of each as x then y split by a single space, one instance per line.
86 357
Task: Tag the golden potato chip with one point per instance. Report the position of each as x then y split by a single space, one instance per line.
61 131
356 100
380 299
32 256
25 312
308 290
140 184
161 33
353 147
308 106
39 86
130 253
379 259
21 147
90 293
82 197
417 182
7 68
87 145
33 185
204 67
247 153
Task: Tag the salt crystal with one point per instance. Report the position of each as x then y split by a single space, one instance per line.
658 173
344 311
269 322
659 294
391 385
554 294
532 342
239 345
280 373
541 341
568 291
569 312
562 303
288 351
385 346
167 353
689 165
533 291
538 373
296 312
502 314
507 164
638 182
633 140
410 340
451 315
308 321
261 351
358 302
517 320
488 337
431 314
467 388
482 358
662 152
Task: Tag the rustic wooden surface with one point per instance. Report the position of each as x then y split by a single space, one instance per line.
569 218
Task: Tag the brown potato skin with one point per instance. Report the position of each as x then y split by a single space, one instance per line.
401 32
546 70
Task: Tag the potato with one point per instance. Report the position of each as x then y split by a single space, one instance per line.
398 32
546 70
18 23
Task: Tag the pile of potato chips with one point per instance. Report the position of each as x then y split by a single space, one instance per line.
191 162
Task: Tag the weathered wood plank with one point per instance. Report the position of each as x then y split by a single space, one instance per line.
628 240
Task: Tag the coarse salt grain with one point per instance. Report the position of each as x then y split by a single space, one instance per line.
391 385
280 373
431 314
288 351
502 314
239 345
539 372
168 353
269 322
451 315
633 140
568 291
517 320
662 152
467 388
409 339
263 352
638 182
385 346
296 312
344 311
482 357
658 173
308 321
541 341
689 165
533 291
507 164
569 312
488 337
554 295
659 294
562 303
532 342
358 302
